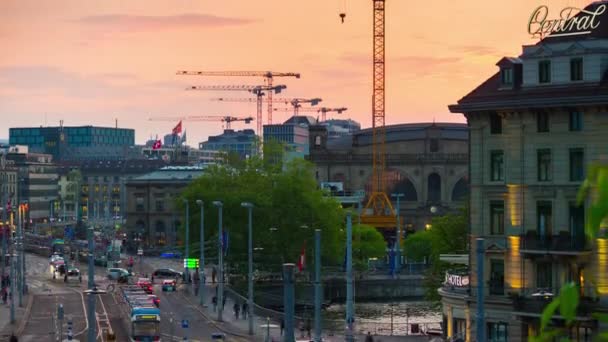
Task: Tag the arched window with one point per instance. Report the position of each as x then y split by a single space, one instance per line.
434 188
406 187
461 190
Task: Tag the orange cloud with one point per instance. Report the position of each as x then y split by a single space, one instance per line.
144 23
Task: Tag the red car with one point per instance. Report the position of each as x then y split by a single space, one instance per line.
145 284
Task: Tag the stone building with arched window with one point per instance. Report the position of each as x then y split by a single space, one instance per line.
426 162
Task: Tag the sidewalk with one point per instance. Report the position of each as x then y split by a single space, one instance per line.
6 328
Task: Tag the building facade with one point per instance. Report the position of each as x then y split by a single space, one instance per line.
293 137
535 126
338 127
37 182
241 142
151 211
427 163
75 143
8 183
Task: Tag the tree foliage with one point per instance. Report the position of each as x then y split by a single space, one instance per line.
285 197
368 243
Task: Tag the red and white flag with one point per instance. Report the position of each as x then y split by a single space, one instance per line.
177 129
302 259
157 145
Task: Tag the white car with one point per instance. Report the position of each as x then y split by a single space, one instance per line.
55 258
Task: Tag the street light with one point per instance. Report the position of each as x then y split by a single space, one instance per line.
201 283
187 239
249 207
220 257
398 249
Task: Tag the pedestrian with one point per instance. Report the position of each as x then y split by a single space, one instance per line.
301 326
244 311
223 301
13 338
369 337
213 274
214 300
236 307
4 295
282 326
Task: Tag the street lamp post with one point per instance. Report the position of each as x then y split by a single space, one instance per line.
187 239
350 315
3 232
398 242
201 283
249 207
20 251
318 293
92 331
220 257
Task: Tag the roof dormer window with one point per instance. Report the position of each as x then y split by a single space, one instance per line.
506 76
544 71
576 69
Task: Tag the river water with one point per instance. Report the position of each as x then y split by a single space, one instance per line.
376 317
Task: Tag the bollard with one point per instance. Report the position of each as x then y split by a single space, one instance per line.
70 333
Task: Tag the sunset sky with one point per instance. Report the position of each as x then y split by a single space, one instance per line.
91 62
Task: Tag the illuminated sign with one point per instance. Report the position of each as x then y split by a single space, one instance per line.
146 317
191 263
571 22
456 279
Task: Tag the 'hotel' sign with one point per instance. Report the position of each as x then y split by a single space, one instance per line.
572 22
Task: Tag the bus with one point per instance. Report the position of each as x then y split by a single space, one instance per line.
140 313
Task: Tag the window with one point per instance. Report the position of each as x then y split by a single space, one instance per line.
542 122
497 332
497 172
577 164
544 165
544 222
497 277
139 204
577 221
576 69
544 275
576 121
160 205
434 145
506 76
434 188
544 71
497 217
495 124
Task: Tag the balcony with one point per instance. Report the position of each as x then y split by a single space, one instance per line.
532 301
562 244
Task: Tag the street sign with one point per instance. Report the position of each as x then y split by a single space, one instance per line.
191 263
140 252
185 323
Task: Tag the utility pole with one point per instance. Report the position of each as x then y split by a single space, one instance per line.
12 281
91 314
20 251
288 298
318 292
249 207
202 280
350 315
187 241
398 237
220 257
3 231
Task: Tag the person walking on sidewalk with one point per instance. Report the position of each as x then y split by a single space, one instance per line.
214 300
369 337
244 311
236 307
282 326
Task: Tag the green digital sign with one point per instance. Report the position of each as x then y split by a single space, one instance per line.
191 263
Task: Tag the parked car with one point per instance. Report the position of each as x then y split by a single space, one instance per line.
166 273
118 274
169 285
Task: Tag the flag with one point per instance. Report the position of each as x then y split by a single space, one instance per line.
302 259
178 129
157 145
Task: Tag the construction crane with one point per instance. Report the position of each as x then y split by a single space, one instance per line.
258 90
223 118
322 110
267 75
251 100
297 103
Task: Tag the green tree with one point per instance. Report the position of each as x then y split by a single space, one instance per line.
368 243
285 197
447 235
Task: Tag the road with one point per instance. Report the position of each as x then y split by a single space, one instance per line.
48 293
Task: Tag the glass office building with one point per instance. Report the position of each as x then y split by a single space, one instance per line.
73 142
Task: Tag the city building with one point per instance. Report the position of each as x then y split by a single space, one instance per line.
37 182
293 137
535 127
338 127
75 143
426 162
151 212
185 155
8 183
241 142
102 185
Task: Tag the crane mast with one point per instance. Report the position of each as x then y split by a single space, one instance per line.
379 210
